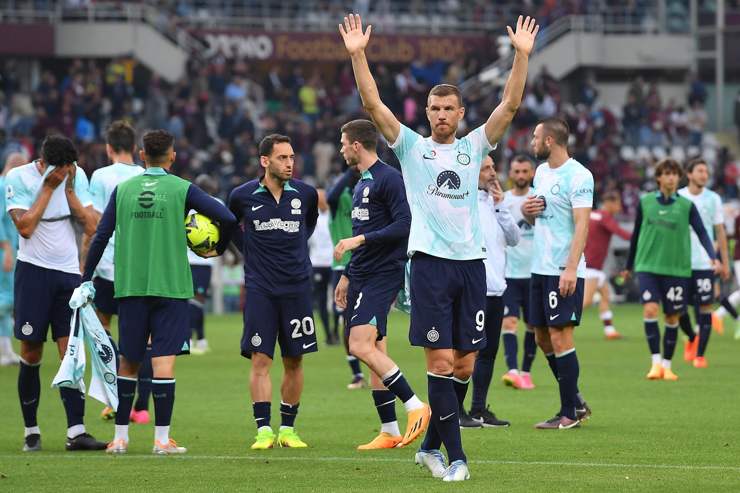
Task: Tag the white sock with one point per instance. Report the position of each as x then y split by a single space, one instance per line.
32 430
5 348
413 403
261 428
657 358
513 371
609 329
75 431
162 434
121 433
667 364
735 298
524 373
391 428
607 315
285 427
721 312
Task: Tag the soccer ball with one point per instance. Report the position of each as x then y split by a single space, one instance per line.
202 234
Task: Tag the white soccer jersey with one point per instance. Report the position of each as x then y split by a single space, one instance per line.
53 245
568 187
709 205
320 246
519 257
102 184
441 183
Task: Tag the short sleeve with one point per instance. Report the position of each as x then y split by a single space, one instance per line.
582 193
17 196
82 188
479 140
719 217
404 143
97 193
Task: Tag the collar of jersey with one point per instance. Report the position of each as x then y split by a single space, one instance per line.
155 171
666 200
286 186
366 175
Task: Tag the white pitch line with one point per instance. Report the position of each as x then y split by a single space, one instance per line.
268 458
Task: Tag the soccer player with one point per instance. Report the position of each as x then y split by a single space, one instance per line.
9 246
43 198
701 289
729 303
659 254
278 214
321 249
518 273
152 279
120 146
448 278
601 227
339 198
499 231
559 209
380 227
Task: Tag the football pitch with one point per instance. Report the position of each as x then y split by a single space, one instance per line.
643 436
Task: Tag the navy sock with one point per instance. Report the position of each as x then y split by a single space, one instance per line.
568 371
145 381
29 392
126 390
552 363
443 402
74 405
705 329
432 440
461 390
288 413
669 341
686 328
482 375
530 350
396 383
728 306
261 413
511 349
354 365
652 333
195 311
163 391
385 404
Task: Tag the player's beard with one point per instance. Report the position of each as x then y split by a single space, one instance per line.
522 184
542 155
444 134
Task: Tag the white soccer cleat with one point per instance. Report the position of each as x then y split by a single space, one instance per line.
117 446
169 448
432 460
10 359
458 471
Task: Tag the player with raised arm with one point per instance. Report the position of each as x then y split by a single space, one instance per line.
660 256
559 209
701 288
380 227
43 198
518 274
278 214
448 278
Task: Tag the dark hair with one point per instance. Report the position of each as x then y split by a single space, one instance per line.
269 142
522 158
58 150
446 90
611 196
557 128
157 143
121 136
362 131
694 163
668 165
206 183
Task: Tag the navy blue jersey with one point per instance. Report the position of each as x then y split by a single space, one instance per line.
381 213
275 235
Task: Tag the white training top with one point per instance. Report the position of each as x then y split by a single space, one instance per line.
320 246
499 231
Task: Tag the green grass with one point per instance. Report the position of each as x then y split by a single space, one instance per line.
648 436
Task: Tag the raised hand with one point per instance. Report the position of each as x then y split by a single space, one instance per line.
354 39
523 38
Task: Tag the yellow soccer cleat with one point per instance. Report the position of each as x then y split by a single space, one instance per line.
287 437
418 420
384 440
669 375
265 439
718 324
107 414
656 372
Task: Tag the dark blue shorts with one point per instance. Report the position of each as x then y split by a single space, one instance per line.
672 292
702 287
448 303
164 319
370 300
284 319
201 279
104 300
42 299
548 309
516 298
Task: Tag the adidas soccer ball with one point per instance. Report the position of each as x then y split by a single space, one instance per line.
202 234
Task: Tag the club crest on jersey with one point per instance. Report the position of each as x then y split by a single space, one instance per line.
433 335
463 159
256 340
296 205
555 189
646 295
27 329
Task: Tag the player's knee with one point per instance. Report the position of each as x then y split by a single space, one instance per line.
463 369
128 368
31 352
440 366
672 319
292 364
510 324
650 310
